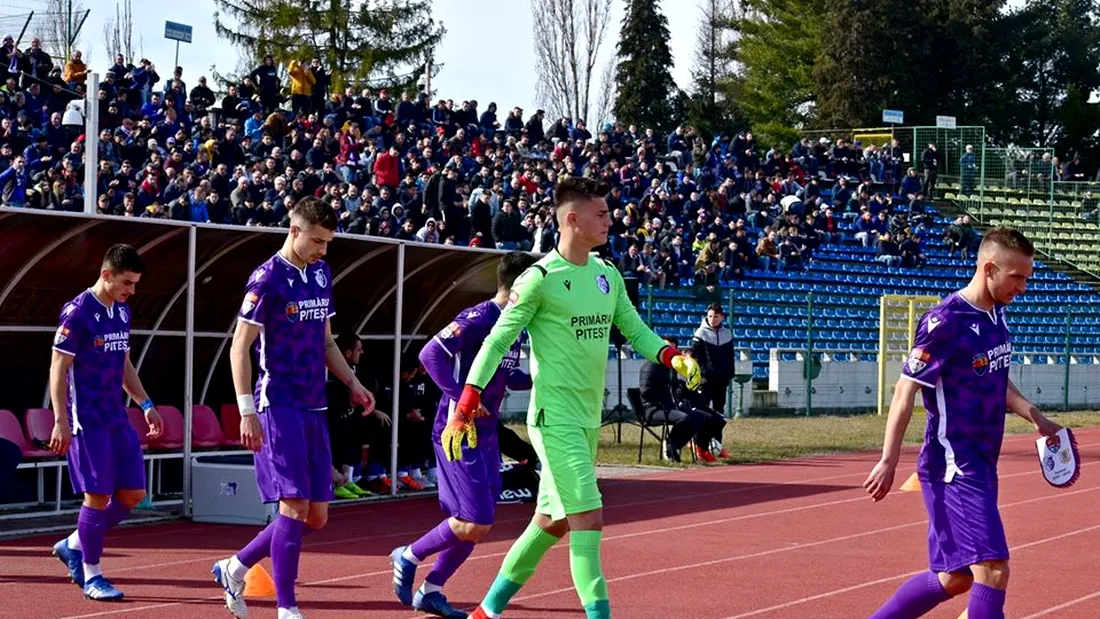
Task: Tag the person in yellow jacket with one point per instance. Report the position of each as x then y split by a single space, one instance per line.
301 86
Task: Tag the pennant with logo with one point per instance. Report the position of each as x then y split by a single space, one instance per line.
1059 459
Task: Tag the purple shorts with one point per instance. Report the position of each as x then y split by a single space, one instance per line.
468 488
964 524
103 460
296 459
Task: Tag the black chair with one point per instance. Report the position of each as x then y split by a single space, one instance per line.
634 395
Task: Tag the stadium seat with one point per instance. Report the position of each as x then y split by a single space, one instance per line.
172 437
12 431
230 417
137 422
205 431
39 425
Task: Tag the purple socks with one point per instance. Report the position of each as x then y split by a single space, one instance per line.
91 525
986 602
452 551
259 547
286 548
437 540
916 597
116 513
449 561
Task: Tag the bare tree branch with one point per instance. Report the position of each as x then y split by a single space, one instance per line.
568 35
57 26
118 32
606 100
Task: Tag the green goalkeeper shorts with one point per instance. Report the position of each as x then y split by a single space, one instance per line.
568 477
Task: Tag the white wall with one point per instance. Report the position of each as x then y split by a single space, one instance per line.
853 384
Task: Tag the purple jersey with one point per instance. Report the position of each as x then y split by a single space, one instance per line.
291 306
98 339
459 343
961 357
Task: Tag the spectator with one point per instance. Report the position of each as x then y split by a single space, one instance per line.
712 347
888 251
911 254
508 231
790 252
302 81
660 406
76 72
766 252
707 283
930 160
350 431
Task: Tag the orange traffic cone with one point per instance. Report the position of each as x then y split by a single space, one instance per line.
258 583
911 485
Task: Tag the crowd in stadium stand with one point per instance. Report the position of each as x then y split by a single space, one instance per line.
401 166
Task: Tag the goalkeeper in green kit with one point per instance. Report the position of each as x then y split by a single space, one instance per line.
568 302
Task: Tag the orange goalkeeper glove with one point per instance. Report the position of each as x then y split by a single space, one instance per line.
460 423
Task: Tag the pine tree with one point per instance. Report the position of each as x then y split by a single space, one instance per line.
872 58
384 41
778 44
645 87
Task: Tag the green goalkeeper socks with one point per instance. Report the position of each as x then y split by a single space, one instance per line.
518 567
584 563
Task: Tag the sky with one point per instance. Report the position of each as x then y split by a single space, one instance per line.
468 60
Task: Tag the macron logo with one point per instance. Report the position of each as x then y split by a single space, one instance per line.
933 322
976 329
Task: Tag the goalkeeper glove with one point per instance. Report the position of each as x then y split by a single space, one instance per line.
460 423
687 367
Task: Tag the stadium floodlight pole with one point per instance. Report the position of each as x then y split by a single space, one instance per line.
396 404
91 144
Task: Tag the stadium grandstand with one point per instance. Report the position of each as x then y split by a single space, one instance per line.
798 243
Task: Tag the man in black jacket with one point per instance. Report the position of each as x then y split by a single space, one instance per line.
712 347
659 398
349 430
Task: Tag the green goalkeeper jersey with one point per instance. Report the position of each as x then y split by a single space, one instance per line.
568 310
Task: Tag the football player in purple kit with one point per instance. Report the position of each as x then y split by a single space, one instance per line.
90 369
287 305
469 477
959 363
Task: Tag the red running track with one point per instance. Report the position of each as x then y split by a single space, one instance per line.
790 539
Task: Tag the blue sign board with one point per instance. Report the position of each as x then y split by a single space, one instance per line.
177 32
895 117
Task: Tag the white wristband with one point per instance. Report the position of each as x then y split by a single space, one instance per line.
245 405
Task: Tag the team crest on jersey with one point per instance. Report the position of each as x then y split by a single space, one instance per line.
603 284
292 311
61 335
918 360
513 298
319 277
981 364
99 342
249 303
451 330
123 314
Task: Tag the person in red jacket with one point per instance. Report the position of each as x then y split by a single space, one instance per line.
386 168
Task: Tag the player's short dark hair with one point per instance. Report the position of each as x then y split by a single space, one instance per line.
1009 238
315 212
511 266
122 258
716 308
346 340
576 189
